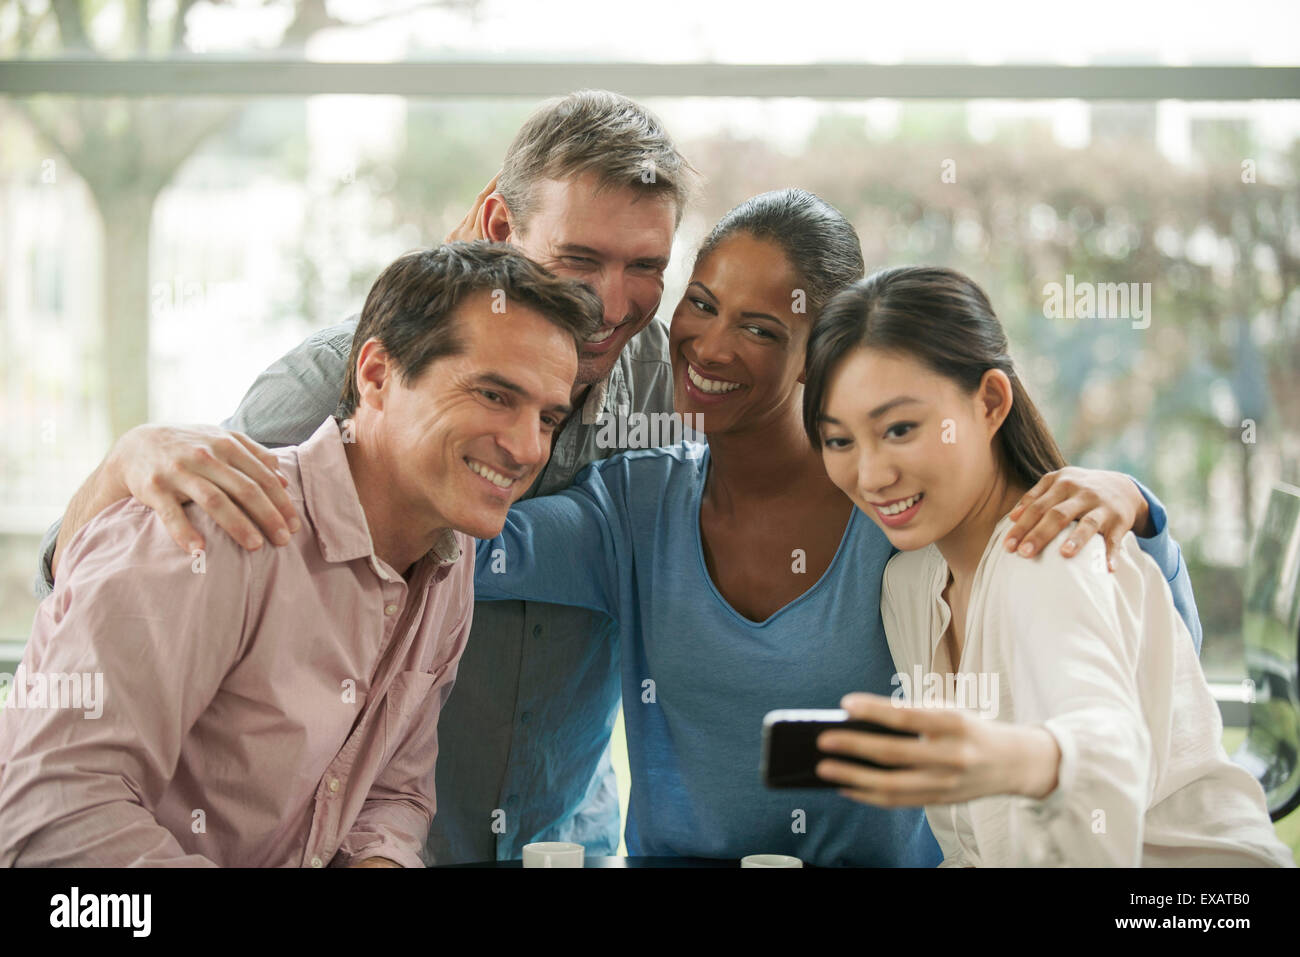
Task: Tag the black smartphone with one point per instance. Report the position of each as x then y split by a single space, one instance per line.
790 752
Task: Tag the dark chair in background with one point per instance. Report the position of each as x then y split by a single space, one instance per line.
1271 634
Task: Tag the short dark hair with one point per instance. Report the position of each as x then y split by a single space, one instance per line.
944 321
411 305
594 131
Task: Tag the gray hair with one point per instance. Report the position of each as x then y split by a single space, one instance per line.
594 131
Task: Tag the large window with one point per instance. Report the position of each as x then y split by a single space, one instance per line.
160 247
190 187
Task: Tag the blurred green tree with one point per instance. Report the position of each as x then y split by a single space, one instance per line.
128 150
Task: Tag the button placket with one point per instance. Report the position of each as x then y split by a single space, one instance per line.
325 822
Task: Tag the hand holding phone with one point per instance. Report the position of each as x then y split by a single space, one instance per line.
790 753
951 755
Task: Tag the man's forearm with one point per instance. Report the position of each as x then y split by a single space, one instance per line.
97 493
120 833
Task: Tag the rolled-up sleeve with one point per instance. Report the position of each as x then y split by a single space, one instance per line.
44 582
395 818
133 612
1166 553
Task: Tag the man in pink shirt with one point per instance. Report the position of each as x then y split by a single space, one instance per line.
279 707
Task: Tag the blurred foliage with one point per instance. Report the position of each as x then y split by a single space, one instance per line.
416 196
1165 403
128 150
1222 255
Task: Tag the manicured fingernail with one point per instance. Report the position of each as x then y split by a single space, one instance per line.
282 537
253 542
1012 543
196 546
294 525
1070 546
1027 549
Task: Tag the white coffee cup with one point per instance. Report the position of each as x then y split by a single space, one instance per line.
553 854
770 860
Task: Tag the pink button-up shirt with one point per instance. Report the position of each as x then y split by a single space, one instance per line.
268 708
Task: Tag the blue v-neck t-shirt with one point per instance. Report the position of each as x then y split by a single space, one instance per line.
698 677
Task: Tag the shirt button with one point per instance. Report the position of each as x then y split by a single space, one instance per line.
334 784
537 631
512 800
317 862
390 609
526 717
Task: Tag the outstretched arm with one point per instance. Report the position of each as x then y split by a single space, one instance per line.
571 548
226 474
226 471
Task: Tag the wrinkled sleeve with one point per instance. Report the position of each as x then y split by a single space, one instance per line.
44 582
1074 673
571 548
286 404
76 789
394 821
1169 556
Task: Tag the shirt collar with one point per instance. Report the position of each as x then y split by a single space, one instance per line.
446 550
330 498
608 391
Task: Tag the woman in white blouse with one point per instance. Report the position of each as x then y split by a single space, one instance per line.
1062 712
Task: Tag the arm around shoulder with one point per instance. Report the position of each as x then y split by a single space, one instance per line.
1167 554
570 548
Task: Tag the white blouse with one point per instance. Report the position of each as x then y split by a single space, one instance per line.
1104 662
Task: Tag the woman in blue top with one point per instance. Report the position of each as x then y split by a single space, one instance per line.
742 579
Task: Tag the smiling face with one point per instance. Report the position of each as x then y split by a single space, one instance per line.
617 241
736 343
469 435
909 447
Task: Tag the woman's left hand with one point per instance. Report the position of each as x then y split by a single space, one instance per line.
959 756
1108 504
